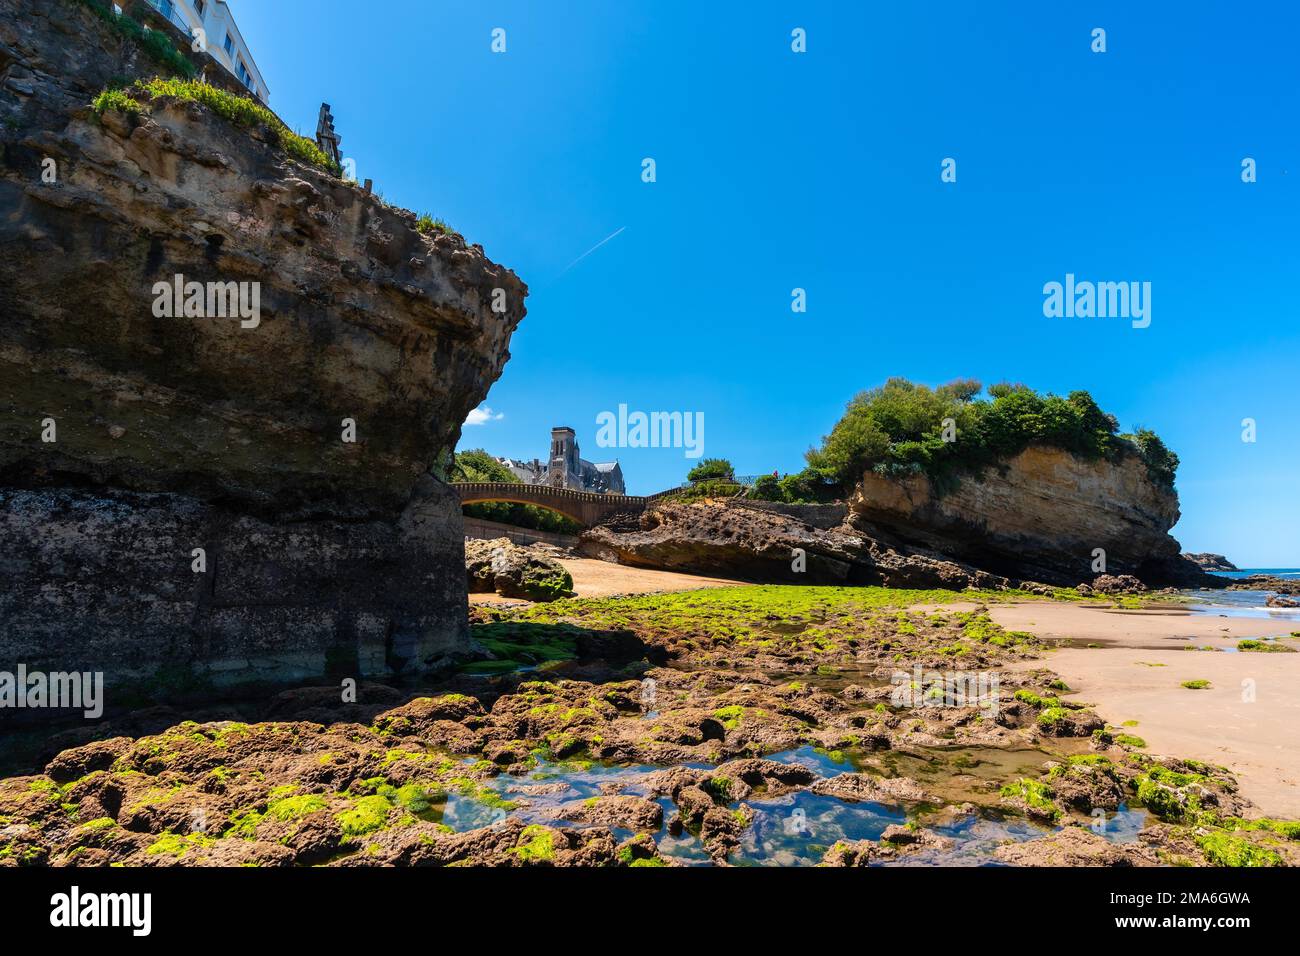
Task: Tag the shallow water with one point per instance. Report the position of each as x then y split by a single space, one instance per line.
797 829
1248 604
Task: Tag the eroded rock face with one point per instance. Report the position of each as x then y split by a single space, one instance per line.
1035 522
172 434
721 537
1207 561
1039 516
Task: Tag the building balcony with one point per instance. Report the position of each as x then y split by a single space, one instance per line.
168 9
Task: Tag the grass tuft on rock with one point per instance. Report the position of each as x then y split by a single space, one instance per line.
430 226
241 110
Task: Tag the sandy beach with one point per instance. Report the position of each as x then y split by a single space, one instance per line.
1136 673
593 578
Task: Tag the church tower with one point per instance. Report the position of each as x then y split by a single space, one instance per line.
563 471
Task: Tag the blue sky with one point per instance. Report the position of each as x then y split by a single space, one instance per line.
821 170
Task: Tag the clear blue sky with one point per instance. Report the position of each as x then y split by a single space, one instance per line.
821 171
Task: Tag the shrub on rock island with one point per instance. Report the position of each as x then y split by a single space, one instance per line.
901 428
711 468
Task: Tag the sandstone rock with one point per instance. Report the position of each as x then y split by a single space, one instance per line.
896 841
1075 846
513 570
623 811
869 789
1039 516
1032 526
722 537
1117 584
1208 561
1266 582
321 556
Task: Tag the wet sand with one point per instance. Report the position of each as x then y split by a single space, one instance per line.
593 578
1137 672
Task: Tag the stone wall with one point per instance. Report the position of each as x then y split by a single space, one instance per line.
482 530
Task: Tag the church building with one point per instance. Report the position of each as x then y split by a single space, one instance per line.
565 468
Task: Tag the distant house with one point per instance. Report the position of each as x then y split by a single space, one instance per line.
567 469
224 41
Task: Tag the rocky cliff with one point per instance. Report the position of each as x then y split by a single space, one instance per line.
732 539
300 452
1041 515
1037 519
1208 561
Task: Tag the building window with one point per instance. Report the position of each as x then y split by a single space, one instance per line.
198 8
245 77
229 45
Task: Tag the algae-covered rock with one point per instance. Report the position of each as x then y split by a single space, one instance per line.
514 571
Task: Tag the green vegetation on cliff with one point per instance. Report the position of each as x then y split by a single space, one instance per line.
902 428
153 42
240 110
711 468
477 465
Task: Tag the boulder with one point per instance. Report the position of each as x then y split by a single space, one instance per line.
513 570
1117 584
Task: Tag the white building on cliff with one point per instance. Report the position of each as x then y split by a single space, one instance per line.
224 41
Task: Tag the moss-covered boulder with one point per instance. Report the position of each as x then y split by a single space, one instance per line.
510 570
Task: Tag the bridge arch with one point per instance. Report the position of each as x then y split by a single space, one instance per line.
585 507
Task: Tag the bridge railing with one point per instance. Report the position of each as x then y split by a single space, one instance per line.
540 491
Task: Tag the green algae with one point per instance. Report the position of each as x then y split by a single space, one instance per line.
294 808
1034 794
540 845
1224 849
366 815
174 844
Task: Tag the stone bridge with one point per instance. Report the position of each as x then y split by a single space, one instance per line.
585 507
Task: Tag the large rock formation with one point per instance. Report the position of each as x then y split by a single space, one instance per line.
1041 515
729 538
1208 561
128 440
1036 520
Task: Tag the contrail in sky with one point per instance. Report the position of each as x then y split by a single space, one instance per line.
591 250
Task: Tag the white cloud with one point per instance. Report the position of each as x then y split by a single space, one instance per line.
482 415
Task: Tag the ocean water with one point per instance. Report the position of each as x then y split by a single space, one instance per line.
1247 572
1245 603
